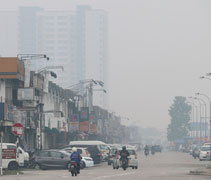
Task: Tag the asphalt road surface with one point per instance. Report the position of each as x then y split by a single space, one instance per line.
161 166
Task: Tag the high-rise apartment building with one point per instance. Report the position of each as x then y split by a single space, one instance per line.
75 40
55 36
92 52
8 33
27 22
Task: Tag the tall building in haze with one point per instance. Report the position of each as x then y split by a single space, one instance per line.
92 50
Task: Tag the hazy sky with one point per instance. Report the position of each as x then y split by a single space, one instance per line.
157 50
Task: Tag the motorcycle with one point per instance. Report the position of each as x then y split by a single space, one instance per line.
124 164
73 168
146 153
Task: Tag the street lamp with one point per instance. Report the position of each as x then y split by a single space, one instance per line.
32 56
205 116
29 57
196 129
210 110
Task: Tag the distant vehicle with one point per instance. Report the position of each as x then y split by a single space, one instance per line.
204 152
51 159
133 161
98 150
156 148
196 152
13 157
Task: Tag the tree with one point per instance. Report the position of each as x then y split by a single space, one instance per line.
180 117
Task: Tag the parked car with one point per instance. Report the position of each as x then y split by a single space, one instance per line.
82 151
204 152
133 161
86 160
111 155
97 149
51 159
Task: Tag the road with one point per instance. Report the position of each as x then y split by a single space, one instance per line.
161 166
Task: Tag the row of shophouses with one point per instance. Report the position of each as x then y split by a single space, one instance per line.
51 116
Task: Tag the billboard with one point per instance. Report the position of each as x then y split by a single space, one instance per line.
84 114
84 126
93 128
26 94
74 126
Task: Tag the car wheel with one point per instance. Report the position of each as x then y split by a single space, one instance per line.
68 166
83 165
13 165
136 167
117 167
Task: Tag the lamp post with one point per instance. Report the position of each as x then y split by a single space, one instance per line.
200 122
210 111
29 57
196 120
193 114
205 116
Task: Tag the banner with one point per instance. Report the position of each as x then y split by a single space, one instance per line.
93 128
74 126
84 126
74 118
84 114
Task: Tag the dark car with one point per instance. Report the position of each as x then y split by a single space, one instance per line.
156 148
51 159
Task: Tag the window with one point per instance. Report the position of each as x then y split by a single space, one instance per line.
55 154
43 154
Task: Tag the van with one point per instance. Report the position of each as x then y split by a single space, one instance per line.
99 150
13 157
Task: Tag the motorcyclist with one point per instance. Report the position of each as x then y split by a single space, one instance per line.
124 154
146 148
76 157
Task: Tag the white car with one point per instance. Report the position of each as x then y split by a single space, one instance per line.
132 159
204 152
87 162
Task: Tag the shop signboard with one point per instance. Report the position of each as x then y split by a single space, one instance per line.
93 128
74 126
26 94
84 126
84 114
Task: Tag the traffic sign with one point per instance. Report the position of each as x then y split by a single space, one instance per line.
17 129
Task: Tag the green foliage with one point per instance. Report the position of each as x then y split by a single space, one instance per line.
180 117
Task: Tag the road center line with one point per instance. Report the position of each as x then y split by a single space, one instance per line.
118 175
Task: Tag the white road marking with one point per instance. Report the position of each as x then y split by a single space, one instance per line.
111 176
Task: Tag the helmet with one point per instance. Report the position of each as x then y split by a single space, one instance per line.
74 149
123 147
